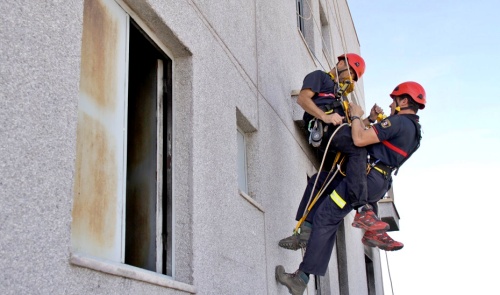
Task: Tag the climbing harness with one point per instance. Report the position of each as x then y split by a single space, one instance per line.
387 170
418 138
375 164
315 126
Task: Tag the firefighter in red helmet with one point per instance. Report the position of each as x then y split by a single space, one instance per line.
414 90
389 144
321 88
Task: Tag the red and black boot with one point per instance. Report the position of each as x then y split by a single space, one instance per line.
367 219
381 240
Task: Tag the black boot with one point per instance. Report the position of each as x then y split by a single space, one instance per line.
297 240
295 282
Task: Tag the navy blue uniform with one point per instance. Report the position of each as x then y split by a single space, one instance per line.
319 82
399 136
324 89
322 85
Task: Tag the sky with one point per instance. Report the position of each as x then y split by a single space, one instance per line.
448 193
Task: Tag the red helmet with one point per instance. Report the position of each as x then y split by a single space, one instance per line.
356 62
413 89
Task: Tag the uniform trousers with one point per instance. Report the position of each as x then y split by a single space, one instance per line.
327 216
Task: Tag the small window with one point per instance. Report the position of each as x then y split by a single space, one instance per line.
305 22
300 14
242 162
326 33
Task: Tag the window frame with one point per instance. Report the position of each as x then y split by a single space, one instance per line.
116 265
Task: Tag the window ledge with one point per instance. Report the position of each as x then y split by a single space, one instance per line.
252 201
297 111
388 213
128 271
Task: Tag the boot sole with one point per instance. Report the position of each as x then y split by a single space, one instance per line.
289 246
293 246
395 248
371 243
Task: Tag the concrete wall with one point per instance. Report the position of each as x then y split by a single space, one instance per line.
237 59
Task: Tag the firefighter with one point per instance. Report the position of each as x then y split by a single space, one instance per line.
389 143
321 93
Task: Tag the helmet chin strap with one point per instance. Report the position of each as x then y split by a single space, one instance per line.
340 72
337 72
398 109
349 81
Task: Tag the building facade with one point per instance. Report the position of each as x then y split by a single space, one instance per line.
156 147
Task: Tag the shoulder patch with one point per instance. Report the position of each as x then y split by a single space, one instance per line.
385 123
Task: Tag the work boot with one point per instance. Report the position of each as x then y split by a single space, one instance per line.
297 240
295 282
381 240
366 219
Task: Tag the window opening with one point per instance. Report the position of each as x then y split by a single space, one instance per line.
242 162
342 260
305 23
317 284
325 36
148 213
300 15
370 276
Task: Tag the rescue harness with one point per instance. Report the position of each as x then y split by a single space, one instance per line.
315 126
